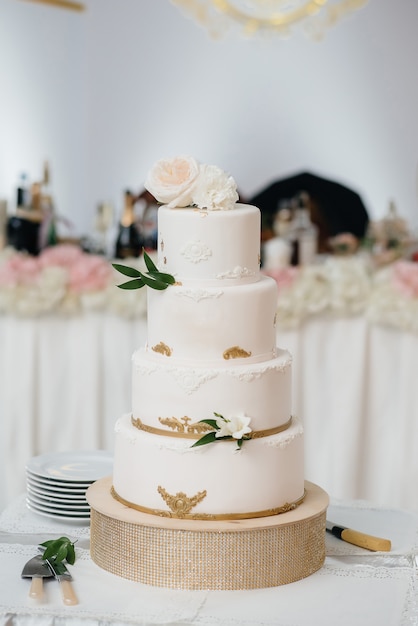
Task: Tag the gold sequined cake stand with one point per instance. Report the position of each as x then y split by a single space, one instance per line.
200 554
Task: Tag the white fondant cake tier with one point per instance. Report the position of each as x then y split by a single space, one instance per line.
222 318
163 389
158 473
218 247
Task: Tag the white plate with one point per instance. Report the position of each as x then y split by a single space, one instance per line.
48 482
73 507
56 496
34 482
54 515
73 467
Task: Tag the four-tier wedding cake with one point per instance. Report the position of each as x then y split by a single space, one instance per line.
208 488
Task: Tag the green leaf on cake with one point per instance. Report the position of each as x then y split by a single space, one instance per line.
208 438
151 267
132 284
127 271
153 278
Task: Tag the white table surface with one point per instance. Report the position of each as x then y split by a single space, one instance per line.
354 587
64 381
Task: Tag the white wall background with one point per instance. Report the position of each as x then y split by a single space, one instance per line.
104 93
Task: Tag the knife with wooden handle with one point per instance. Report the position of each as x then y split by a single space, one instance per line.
64 577
357 538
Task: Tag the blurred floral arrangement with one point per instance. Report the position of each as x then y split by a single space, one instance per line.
346 286
63 279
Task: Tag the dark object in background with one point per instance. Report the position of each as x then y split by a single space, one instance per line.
129 242
334 208
23 235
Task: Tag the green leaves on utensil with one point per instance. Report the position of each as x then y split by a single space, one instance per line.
59 550
153 278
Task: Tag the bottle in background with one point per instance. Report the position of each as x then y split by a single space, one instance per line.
129 241
302 234
22 191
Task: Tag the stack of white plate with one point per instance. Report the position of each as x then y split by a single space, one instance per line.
56 483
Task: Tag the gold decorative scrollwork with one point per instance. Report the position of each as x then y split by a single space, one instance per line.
183 425
180 504
162 348
235 352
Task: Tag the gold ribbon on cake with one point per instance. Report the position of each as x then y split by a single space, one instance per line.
179 513
184 430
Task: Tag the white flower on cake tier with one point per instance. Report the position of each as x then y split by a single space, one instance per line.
171 181
182 181
236 426
214 190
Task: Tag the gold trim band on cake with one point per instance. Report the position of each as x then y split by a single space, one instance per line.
285 508
255 434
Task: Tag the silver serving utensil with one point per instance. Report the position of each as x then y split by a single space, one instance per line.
64 577
37 569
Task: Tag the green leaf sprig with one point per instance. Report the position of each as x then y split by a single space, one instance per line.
153 278
58 550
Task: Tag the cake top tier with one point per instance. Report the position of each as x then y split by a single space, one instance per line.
204 235
184 182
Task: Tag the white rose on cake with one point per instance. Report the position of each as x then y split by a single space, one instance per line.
214 189
171 181
182 181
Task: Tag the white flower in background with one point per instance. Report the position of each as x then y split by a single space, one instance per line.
235 426
215 190
171 181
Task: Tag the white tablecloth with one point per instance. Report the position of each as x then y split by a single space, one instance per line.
65 381
355 587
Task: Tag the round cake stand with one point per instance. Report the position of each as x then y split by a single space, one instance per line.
200 554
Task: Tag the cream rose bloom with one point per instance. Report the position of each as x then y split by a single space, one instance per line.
171 181
214 190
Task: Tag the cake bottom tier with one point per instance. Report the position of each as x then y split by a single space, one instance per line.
200 555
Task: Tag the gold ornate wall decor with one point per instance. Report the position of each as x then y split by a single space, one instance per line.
268 16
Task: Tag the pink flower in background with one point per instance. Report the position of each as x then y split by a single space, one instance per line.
284 276
405 278
19 270
63 255
89 273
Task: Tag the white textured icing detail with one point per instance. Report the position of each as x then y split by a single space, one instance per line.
196 251
259 477
237 272
199 294
190 380
262 390
285 438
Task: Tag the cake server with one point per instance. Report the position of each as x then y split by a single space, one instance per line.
37 569
64 577
375 544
